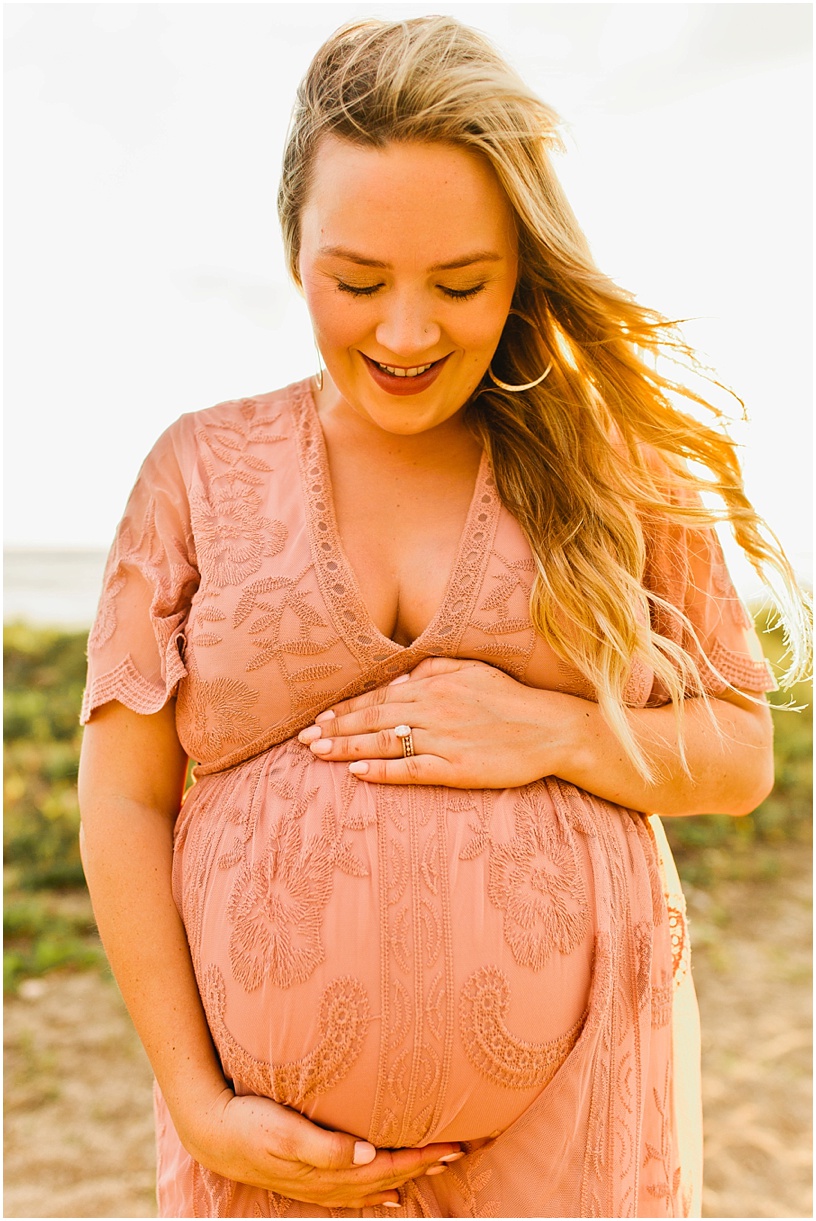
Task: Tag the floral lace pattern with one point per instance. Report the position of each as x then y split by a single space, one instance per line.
105 622
535 879
422 1024
490 1046
680 944
213 1195
216 714
416 969
252 611
666 1188
418 928
232 537
344 1017
276 907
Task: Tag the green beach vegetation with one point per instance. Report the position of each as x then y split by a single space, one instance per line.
47 917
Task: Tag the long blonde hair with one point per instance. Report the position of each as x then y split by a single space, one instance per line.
588 459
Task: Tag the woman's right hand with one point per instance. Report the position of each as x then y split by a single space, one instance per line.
257 1141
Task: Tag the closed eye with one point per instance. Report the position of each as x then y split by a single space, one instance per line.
462 294
368 290
356 291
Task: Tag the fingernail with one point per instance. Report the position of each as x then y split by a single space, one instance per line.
358 769
436 1170
322 746
363 1153
324 716
310 734
403 678
391 1204
452 1157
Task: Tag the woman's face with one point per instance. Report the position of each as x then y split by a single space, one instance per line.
408 263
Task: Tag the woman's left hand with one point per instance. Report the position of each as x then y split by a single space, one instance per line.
472 727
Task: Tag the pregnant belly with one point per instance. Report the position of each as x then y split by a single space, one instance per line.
405 964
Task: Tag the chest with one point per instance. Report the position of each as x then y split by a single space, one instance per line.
400 526
300 605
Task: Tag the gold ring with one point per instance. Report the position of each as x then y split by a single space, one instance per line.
405 735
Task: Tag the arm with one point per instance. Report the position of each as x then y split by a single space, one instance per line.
131 777
729 759
475 727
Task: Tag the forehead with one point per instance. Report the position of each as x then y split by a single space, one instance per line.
415 194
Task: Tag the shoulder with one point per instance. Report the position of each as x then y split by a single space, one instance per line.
242 416
231 428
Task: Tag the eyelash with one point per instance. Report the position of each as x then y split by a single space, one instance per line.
455 294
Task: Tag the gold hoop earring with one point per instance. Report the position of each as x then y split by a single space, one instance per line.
529 385
319 374
518 389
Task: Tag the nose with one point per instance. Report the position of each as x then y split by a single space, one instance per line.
408 328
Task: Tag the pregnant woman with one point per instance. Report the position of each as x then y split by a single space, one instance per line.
441 628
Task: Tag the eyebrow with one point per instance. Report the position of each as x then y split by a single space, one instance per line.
477 256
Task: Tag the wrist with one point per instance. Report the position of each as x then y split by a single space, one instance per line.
562 746
196 1101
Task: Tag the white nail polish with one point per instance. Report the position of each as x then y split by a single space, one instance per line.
363 1153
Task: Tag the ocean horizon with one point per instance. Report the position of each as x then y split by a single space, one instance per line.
52 586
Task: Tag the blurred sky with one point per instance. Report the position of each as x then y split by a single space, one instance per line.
144 272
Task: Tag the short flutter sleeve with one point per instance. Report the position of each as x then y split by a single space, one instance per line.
135 645
686 569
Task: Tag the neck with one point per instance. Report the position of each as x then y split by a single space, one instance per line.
445 443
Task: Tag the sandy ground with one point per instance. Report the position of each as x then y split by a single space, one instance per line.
79 1136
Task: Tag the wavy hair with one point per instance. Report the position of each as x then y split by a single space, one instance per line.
601 454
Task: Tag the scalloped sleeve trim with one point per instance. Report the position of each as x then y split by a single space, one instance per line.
129 686
726 668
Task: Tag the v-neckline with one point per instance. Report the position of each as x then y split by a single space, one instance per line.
337 575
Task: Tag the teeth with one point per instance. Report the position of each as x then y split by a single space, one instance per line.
415 372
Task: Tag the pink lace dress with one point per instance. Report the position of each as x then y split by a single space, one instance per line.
506 968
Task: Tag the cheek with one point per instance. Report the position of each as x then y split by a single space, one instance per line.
482 331
334 319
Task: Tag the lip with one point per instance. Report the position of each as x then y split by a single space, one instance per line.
403 385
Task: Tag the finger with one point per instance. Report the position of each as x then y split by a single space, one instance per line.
300 1140
427 668
430 667
381 1181
378 695
420 769
383 745
433 666
394 1167
373 719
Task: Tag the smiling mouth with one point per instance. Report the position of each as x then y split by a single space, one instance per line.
398 371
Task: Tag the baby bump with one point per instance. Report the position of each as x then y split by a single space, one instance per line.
407 964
